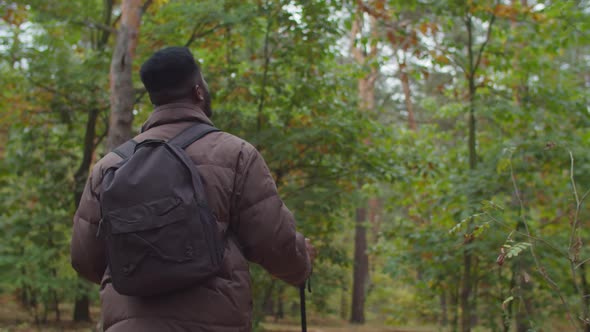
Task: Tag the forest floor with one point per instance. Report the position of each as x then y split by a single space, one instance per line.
14 318
342 327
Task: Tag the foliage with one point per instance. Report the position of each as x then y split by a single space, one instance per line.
282 78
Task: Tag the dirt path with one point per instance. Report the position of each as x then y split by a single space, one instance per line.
345 328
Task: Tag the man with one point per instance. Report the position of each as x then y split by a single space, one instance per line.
241 193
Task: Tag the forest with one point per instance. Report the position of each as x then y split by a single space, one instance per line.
433 150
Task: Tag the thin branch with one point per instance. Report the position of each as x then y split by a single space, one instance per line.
540 268
95 25
572 178
583 262
194 35
108 13
469 27
577 212
356 51
101 138
140 93
267 56
145 6
374 49
116 20
386 19
54 91
483 45
105 119
528 236
584 197
451 58
574 247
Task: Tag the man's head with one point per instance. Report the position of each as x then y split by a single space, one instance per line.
172 75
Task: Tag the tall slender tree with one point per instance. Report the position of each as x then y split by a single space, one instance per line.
366 93
474 56
122 90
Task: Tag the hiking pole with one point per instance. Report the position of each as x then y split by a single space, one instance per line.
302 302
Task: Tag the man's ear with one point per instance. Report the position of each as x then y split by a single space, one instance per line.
198 93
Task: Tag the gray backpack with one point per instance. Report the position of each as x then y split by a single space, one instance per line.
159 232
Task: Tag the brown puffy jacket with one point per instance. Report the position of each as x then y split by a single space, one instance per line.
244 200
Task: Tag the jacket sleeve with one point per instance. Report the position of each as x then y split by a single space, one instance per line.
87 251
265 228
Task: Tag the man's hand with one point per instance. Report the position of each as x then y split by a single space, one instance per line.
310 250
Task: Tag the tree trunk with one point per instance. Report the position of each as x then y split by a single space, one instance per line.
405 80
467 286
82 302
280 312
268 303
366 90
525 289
82 173
464 300
344 303
3 138
455 307
521 280
444 318
81 308
508 311
361 268
467 253
586 299
122 91
475 286
519 87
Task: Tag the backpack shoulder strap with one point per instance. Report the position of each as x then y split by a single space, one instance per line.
126 149
192 134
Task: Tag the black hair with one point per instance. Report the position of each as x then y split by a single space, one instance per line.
170 74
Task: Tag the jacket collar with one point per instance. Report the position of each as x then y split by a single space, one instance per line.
173 113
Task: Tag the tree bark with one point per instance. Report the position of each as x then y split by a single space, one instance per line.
361 268
268 303
280 312
507 321
366 90
399 41
474 317
464 300
122 91
525 290
586 299
3 138
405 80
82 308
474 59
344 303
444 316
455 307
82 302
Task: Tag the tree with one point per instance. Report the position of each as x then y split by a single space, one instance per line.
122 89
366 93
82 302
